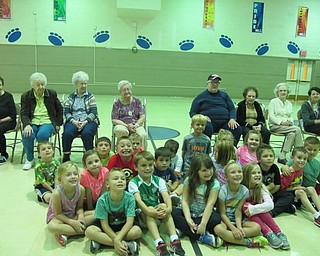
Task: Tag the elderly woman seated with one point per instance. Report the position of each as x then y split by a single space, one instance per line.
250 115
81 114
310 111
41 115
281 121
128 114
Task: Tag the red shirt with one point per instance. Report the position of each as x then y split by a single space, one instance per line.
128 167
294 180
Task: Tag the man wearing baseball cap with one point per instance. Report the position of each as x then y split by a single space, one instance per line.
218 107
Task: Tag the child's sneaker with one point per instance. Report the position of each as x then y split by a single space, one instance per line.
273 240
176 248
219 242
257 241
317 221
179 233
62 239
94 246
285 242
162 249
292 209
175 199
207 238
133 248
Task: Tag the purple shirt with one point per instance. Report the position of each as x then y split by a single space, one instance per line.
127 113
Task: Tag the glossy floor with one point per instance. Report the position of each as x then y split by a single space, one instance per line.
22 218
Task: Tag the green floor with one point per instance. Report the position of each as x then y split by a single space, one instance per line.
22 218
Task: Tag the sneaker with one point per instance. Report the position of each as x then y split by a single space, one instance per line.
317 221
28 165
208 239
273 240
179 233
257 241
133 248
285 242
219 242
162 249
175 199
94 247
62 240
292 209
176 248
3 160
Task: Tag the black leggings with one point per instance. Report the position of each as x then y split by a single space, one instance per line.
181 223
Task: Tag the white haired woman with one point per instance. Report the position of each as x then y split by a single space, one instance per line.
281 121
41 115
81 114
128 114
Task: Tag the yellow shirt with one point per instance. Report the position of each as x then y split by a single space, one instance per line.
40 115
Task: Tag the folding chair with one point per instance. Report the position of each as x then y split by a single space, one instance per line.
276 143
300 124
14 141
113 137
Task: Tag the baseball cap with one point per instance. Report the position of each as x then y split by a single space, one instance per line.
213 76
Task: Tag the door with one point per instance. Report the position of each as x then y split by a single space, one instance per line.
299 76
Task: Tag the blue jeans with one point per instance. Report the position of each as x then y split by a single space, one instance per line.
70 132
41 133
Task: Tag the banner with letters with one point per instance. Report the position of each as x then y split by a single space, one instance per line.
257 17
59 10
302 21
208 14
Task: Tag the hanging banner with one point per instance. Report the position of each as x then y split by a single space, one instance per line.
302 21
257 17
59 10
5 11
208 14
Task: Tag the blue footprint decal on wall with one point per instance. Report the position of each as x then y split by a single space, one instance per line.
262 49
144 42
225 41
186 45
101 36
55 39
13 35
293 47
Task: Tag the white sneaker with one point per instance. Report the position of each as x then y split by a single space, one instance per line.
28 165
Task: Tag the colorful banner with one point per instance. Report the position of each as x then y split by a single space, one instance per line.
257 17
302 21
208 14
59 10
5 11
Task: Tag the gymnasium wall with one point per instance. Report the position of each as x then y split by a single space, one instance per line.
160 66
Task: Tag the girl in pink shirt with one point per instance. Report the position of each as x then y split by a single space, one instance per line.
247 152
92 178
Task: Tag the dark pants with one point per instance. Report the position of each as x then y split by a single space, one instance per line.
181 223
3 143
282 200
70 132
214 127
313 128
265 133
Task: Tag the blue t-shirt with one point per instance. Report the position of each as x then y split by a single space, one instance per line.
167 175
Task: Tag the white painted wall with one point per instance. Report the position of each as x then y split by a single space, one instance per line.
178 20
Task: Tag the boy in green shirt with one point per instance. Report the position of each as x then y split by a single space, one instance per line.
147 189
